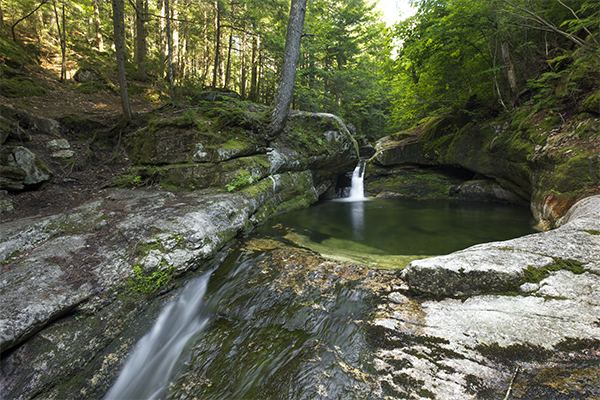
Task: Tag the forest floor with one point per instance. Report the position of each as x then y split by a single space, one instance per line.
86 177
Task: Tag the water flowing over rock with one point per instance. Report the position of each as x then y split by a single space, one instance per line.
75 284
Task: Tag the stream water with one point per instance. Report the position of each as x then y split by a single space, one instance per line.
269 323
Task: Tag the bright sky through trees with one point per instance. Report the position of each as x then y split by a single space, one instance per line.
395 10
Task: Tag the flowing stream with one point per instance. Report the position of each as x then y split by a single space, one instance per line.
271 323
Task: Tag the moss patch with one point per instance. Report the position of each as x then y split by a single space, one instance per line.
536 275
20 86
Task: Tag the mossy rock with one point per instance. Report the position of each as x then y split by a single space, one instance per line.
225 176
209 133
591 104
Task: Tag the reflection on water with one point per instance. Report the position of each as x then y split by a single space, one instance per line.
357 215
407 227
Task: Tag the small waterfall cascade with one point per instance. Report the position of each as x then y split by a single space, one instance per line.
152 363
357 190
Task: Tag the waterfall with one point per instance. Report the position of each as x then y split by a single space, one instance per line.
357 190
146 373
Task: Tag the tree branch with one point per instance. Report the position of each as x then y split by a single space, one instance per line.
548 24
579 19
12 28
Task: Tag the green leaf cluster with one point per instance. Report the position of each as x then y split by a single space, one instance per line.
487 55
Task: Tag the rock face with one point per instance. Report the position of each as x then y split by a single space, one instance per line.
528 333
535 157
222 145
505 266
73 285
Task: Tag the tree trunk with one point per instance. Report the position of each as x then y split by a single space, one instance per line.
510 71
243 64
169 51
254 73
123 37
63 45
140 40
117 23
217 45
175 57
228 67
98 26
285 88
162 27
205 62
61 35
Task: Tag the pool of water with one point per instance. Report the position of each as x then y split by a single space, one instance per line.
402 227
274 323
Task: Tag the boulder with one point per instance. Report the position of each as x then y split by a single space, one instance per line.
485 190
86 75
502 267
58 144
12 178
36 172
546 160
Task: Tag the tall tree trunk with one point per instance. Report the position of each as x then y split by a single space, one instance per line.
169 51
63 45
254 73
98 26
123 37
217 45
175 50
205 62
285 88
510 71
228 67
243 64
140 40
117 23
183 65
62 37
162 48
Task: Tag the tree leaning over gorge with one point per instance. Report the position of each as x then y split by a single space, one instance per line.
291 54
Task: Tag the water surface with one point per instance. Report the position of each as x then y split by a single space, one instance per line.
404 227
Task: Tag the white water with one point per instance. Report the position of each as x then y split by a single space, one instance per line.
146 373
357 190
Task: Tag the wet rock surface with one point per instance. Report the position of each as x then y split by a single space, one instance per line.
76 273
328 329
349 331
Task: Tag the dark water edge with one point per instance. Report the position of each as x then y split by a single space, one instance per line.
405 227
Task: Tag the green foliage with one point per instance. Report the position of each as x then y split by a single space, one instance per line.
151 283
338 65
242 179
455 51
